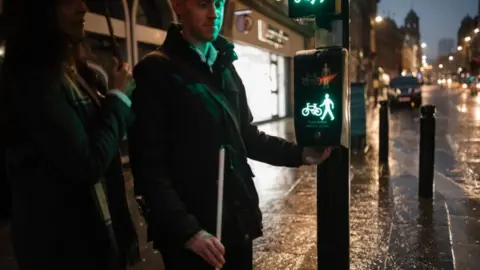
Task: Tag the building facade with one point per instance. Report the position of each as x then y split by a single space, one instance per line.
467 26
362 42
412 51
389 45
266 41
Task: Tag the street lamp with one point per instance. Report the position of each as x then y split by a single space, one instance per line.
378 19
476 30
424 57
467 39
459 48
440 66
450 58
424 45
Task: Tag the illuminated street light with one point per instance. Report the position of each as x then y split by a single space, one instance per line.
467 39
424 57
424 45
440 66
459 48
378 19
450 58
476 30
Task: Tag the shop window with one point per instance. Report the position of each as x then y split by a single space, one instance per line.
260 72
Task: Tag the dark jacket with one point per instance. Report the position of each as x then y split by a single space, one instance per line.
175 140
55 154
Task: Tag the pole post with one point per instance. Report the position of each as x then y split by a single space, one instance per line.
333 177
426 185
384 135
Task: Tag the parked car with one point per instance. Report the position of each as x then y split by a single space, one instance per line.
405 90
474 86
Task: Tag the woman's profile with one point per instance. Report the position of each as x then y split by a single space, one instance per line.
68 195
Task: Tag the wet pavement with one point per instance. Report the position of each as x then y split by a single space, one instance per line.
458 161
390 228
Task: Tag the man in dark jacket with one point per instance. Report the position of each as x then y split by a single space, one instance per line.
189 102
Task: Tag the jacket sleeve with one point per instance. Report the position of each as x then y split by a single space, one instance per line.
80 153
148 149
263 147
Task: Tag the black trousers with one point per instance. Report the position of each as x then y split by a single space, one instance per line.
239 257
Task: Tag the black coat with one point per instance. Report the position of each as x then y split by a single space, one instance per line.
55 154
174 146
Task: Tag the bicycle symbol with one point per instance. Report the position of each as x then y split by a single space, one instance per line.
312 109
315 110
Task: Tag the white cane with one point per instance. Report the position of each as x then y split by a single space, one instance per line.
221 171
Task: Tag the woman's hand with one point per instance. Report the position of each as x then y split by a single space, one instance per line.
120 75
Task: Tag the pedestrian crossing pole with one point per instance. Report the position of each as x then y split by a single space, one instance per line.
322 118
333 191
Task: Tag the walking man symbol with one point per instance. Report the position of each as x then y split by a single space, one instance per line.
328 106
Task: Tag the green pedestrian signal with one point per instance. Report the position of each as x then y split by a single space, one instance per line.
321 97
322 111
308 8
313 2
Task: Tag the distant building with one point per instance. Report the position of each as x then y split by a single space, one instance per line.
362 41
389 44
411 52
446 46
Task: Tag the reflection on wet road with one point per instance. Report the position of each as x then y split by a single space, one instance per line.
457 162
389 228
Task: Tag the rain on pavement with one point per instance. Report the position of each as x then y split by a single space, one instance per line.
287 196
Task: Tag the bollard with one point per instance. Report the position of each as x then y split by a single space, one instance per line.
427 152
383 133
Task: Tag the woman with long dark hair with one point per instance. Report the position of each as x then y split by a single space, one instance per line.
69 204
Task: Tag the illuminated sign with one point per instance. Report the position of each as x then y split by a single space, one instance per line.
244 23
324 80
326 77
321 99
270 34
312 2
306 8
314 110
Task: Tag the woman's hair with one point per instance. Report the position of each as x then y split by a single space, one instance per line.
36 44
35 50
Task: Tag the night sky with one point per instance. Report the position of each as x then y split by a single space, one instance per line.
438 18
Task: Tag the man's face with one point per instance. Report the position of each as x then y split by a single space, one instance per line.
202 19
71 18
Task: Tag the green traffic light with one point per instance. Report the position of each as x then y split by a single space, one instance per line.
322 110
310 1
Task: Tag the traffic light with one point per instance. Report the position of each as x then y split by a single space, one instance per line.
307 8
321 95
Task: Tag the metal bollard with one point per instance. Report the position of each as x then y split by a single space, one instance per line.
427 152
383 133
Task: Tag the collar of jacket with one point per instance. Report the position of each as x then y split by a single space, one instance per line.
176 44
